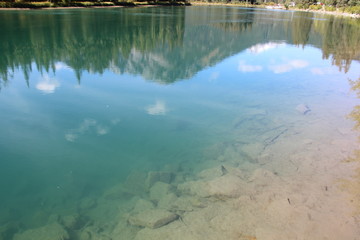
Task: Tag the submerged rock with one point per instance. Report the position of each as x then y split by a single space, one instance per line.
160 190
153 218
135 183
119 192
52 231
142 205
303 109
71 221
123 230
87 203
225 186
91 233
167 201
211 173
7 231
194 188
153 177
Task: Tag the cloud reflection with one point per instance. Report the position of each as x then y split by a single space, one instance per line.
243 67
47 84
159 108
89 125
288 67
259 48
61 66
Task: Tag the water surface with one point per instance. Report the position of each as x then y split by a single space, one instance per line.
92 99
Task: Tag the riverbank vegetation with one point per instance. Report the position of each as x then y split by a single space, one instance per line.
339 6
33 4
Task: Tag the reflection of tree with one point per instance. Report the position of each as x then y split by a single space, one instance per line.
159 43
355 114
340 40
301 26
76 38
233 21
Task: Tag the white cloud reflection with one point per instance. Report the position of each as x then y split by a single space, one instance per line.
89 125
259 48
159 108
243 67
287 67
47 84
102 130
61 66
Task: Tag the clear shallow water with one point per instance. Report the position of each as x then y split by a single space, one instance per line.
90 98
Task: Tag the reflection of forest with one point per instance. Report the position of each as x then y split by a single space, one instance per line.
163 44
353 185
355 114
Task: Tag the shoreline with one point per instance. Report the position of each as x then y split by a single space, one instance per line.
334 13
120 5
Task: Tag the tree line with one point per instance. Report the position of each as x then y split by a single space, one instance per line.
85 3
335 3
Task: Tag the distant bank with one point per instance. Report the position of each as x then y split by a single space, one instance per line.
41 4
349 11
353 11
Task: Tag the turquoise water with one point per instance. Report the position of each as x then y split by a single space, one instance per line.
94 98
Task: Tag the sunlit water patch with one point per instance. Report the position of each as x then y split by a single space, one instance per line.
177 123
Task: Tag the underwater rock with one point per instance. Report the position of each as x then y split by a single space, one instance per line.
70 221
303 109
135 183
154 218
225 186
85 235
90 233
187 204
8 230
172 167
87 203
160 190
119 191
142 205
154 177
40 218
133 186
167 201
253 149
211 173
124 231
52 231
194 188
